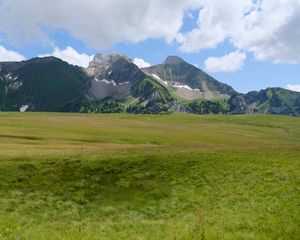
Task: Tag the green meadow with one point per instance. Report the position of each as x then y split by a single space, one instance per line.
142 177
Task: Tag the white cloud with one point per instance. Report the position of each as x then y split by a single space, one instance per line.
229 63
71 56
270 29
292 87
100 23
8 55
217 20
141 63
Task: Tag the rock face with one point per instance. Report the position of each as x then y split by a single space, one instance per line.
112 76
100 89
189 82
238 105
115 67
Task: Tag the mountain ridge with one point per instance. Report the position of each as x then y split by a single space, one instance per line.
176 72
114 81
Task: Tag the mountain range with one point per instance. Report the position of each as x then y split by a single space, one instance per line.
113 83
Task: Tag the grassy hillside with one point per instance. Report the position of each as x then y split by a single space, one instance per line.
44 84
76 176
146 88
274 101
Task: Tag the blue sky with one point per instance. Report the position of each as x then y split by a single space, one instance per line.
248 44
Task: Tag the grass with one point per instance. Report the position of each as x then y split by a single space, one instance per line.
180 176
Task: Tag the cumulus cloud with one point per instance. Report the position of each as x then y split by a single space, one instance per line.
292 87
229 63
71 56
100 23
141 63
8 55
217 20
270 29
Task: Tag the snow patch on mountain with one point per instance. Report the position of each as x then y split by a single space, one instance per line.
159 79
106 81
23 108
177 85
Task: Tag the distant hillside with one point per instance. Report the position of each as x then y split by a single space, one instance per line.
274 101
41 84
112 83
270 101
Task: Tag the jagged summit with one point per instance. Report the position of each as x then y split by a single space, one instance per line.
173 60
107 60
115 67
111 57
113 75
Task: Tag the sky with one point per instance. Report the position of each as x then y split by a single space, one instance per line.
248 44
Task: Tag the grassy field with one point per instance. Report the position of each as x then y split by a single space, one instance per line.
180 176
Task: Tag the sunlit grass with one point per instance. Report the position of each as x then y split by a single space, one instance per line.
75 176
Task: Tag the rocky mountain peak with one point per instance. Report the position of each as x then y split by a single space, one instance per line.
173 60
107 60
103 64
114 67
